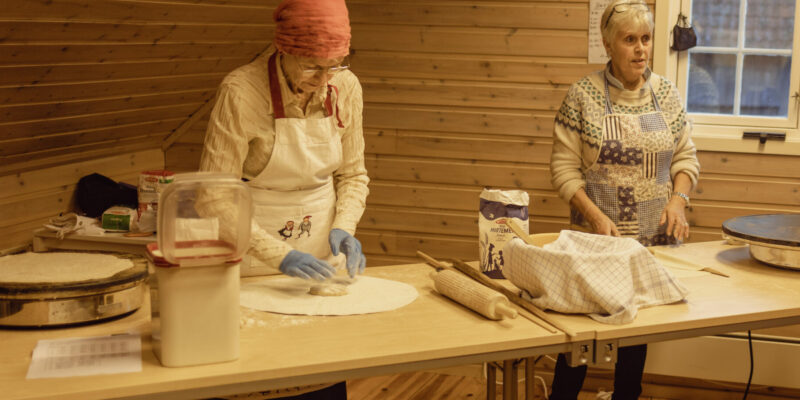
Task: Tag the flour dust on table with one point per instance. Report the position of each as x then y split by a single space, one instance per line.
362 295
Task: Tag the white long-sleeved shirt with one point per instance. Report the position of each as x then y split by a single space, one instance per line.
241 134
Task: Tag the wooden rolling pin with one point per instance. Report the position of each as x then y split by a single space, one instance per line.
526 237
522 311
473 295
480 277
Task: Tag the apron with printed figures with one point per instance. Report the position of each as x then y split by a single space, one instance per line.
294 196
630 180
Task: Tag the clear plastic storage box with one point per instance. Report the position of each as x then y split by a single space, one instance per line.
203 231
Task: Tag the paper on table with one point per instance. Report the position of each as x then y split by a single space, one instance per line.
58 358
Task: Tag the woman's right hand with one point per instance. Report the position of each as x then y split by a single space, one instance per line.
306 266
601 224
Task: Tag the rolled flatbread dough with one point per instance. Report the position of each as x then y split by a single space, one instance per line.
365 295
60 267
328 289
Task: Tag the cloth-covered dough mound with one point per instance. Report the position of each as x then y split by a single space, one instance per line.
607 277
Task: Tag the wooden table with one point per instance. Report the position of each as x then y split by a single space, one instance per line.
282 351
431 332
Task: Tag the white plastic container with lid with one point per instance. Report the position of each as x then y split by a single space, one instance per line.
203 231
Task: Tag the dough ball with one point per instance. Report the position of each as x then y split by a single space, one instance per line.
328 289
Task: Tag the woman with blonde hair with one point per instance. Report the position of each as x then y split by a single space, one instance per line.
624 160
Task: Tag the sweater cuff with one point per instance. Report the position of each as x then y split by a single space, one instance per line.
569 189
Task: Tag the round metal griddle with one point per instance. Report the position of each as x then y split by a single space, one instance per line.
47 304
774 238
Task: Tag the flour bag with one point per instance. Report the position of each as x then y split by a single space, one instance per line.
495 207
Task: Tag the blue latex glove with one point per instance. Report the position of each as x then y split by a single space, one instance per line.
306 266
351 247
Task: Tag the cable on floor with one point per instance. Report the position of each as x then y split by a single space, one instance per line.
750 378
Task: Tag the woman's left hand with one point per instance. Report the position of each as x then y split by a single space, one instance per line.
675 218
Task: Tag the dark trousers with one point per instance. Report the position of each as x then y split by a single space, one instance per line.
567 381
334 392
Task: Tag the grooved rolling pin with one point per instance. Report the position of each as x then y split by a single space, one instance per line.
480 277
473 295
522 311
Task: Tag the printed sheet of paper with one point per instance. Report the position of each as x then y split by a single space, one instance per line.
597 53
58 358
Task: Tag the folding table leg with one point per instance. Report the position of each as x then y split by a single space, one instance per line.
530 377
491 381
509 380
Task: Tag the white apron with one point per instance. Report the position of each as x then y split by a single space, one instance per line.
630 180
294 197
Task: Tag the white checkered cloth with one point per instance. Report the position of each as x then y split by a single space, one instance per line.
607 277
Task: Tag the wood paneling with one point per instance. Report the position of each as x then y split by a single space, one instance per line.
460 93
64 73
139 11
471 14
458 40
489 68
40 112
459 119
80 75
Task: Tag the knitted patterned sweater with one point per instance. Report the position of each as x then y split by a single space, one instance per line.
578 126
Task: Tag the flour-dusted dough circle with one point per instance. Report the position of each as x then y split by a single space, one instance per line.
365 295
328 289
60 267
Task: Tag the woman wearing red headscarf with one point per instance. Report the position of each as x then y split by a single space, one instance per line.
290 124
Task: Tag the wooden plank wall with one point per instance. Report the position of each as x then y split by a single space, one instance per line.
461 95
85 80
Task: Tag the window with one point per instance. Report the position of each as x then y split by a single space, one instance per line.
742 76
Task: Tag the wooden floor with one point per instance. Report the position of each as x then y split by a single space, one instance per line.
437 386
433 386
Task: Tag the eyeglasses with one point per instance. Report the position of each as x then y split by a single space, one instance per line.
621 8
330 71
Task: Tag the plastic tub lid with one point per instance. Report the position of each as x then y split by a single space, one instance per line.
194 253
204 218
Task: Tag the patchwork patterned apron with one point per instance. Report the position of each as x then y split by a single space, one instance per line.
294 196
630 180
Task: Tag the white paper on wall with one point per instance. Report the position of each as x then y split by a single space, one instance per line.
597 53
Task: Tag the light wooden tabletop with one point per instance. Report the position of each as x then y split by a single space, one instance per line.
432 332
282 350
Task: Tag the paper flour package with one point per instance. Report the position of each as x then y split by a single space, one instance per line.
495 207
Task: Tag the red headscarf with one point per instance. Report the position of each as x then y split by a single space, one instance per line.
312 28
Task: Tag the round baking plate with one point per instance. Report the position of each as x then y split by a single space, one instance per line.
773 238
45 304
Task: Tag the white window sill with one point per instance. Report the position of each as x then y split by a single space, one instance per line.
729 143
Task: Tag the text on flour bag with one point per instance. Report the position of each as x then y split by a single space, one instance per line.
495 207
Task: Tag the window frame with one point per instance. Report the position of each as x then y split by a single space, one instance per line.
720 133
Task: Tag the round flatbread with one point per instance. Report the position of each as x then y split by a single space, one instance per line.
60 267
365 295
